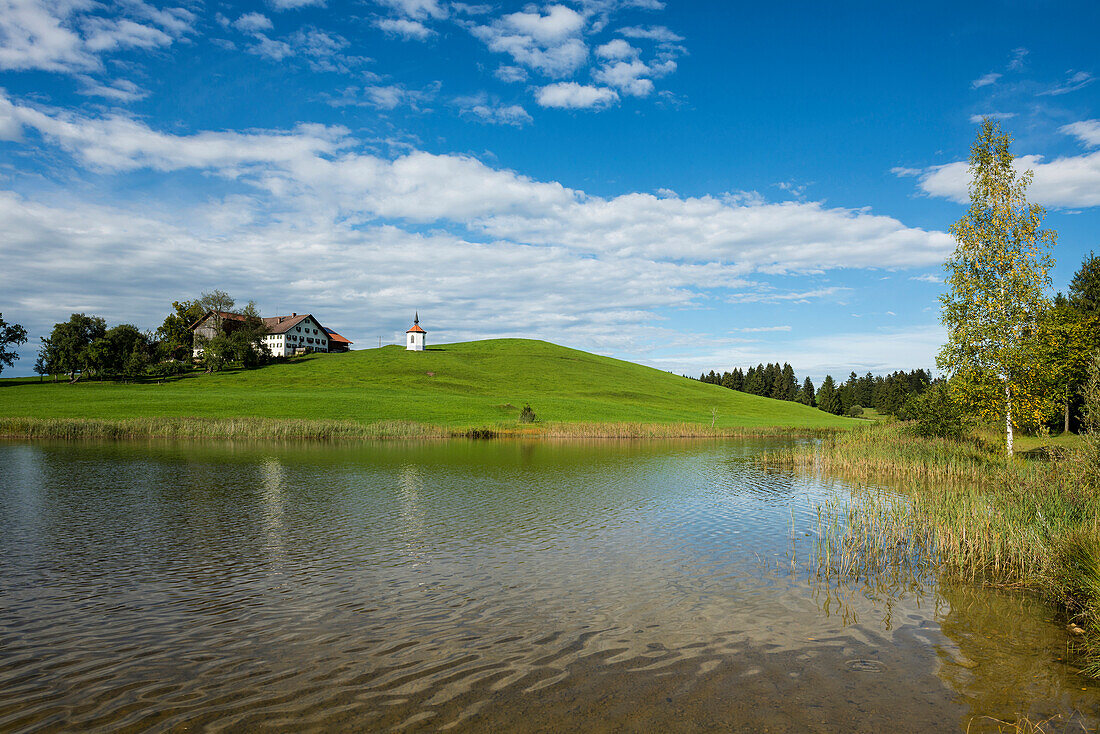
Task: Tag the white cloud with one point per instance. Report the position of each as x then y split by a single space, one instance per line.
1087 131
410 30
928 278
295 4
768 295
322 51
417 9
271 49
654 33
469 9
1074 80
317 166
559 24
549 43
1069 181
64 35
762 329
252 23
985 80
1072 181
617 49
120 90
391 96
490 113
34 35
570 95
511 74
1017 61
632 77
977 119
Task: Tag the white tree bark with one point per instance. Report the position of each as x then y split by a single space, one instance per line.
1008 419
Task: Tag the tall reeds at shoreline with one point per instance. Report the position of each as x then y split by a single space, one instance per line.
963 510
280 428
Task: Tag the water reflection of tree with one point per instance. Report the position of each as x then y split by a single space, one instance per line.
1008 661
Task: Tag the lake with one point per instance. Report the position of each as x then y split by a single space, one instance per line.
480 586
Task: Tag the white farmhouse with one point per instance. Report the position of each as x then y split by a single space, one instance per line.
286 335
294 334
415 336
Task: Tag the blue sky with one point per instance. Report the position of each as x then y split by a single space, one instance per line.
689 185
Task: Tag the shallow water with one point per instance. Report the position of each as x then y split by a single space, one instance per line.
472 586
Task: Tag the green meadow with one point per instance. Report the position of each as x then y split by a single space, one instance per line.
449 388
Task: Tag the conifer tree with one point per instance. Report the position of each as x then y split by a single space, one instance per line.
806 395
737 379
754 382
827 399
1084 289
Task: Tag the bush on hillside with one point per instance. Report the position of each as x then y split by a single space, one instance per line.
527 415
856 411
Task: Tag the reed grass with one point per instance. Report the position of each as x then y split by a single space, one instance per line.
285 428
235 428
964 511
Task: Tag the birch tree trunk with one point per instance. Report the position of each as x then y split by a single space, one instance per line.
1008 418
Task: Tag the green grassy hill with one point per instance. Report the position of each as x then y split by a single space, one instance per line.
452 386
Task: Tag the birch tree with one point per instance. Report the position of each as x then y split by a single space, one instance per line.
998 278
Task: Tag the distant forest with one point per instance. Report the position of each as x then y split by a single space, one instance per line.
887 394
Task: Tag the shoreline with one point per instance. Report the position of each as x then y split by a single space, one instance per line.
326 430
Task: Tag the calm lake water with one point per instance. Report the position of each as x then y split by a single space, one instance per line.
479 586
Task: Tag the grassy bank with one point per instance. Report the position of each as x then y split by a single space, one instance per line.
967 511
449 389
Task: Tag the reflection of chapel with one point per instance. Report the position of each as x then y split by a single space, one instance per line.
415 336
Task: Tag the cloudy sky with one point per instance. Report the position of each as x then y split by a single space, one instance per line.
691 185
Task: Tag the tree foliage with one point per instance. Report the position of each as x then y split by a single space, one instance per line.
1084 289
887 394
936 413
998 276
11 335
1067 339
238 340
807 395
68 349
827 398
174 336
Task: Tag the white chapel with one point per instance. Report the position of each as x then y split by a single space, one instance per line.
415 336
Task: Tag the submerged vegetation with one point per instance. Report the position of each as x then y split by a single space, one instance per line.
968 512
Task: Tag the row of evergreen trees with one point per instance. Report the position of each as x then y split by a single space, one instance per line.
886 394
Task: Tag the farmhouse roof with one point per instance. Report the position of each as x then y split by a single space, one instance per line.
333 336
274 324
283 324
277 324
225 316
